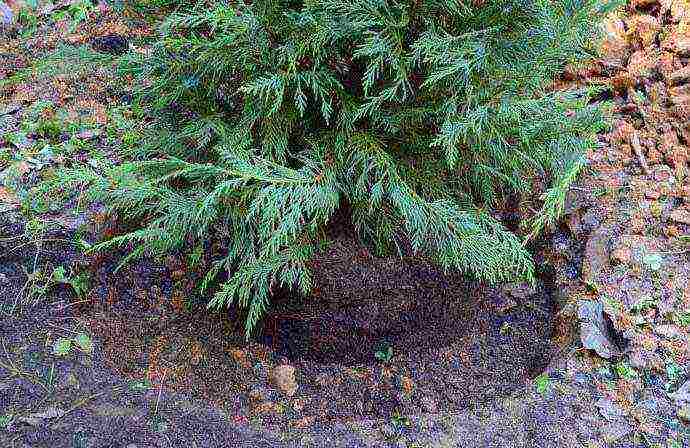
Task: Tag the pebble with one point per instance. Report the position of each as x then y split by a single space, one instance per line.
652 194
680 76
621 255
258 394
682 395
429 405
681 216
36 419
615 431
108 410
610 410
668 331
283 377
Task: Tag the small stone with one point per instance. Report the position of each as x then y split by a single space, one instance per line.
680 76
86 135
283 377
622 255
520 290
654 403
299 404
72 381
610 410
668 331
644 359
38 418
680 216
388 431
662 173
595 331
615 431
112 44
109 410
682 395
614 48
652 194
429 405
596 253
684 413
682 47
502 303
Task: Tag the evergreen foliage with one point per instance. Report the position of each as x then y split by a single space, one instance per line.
420 115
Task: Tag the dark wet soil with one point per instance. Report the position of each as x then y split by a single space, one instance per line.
455 344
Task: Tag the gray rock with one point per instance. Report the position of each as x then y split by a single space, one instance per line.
640 359
37 418
109 410
6 15
429 405
654 404
682 395
610 410
597 253
615 431
669 331
595 331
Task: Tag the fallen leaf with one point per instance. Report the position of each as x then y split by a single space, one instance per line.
62 346
84 342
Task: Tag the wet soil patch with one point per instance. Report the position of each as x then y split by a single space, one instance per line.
453 344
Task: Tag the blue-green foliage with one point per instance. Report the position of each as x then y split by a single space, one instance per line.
420 115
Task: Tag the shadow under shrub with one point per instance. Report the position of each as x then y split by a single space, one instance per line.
420 116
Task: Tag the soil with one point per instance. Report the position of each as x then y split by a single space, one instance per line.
470 365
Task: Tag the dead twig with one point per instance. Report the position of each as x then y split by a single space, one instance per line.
637 147
16 371
77 404
160 390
